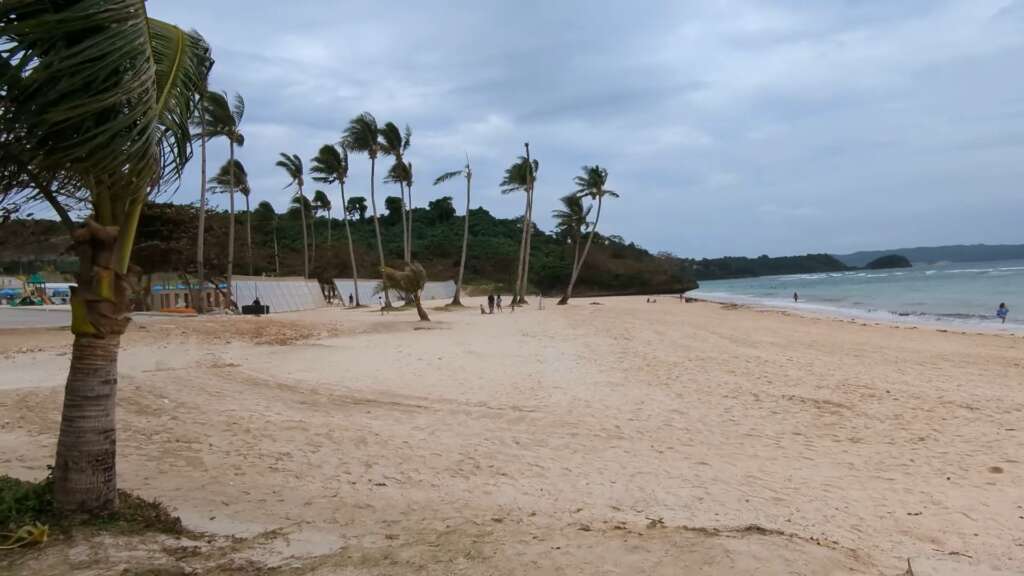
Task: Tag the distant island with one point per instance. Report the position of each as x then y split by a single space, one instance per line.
933 254
889 261
731 267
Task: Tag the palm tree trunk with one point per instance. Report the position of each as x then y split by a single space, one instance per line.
248 232
419 307
579 265
277 260
457 300
351 250
376 227
200 265
405 225
529 245
408 229
305 239
312 233
231 225
85 466
517 290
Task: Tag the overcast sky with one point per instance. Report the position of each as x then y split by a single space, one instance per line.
728 127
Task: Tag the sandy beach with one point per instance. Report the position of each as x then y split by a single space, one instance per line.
606 437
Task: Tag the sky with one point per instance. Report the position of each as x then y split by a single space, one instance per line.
727 127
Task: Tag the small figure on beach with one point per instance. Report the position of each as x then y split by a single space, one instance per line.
796 297
497 302
1002 312
380 302
490 303
350 301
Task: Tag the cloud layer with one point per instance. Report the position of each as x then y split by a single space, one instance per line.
728 127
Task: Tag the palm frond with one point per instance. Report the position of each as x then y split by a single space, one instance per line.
238 108
391 140
448 176
362 135
329 165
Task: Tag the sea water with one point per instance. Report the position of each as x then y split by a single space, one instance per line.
949 293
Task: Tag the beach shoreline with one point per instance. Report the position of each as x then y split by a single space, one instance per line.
607 436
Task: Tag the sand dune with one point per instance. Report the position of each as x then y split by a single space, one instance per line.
623 437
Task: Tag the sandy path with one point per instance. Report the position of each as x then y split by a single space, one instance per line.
546 441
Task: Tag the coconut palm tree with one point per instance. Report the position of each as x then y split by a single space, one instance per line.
394 143
363 135
321 203
102 95
223 120
329 166
410 281
199 124
519 177
467 173
233 173
265 211
570 222
591 184
292 165
308 209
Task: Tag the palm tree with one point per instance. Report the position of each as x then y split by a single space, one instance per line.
329 166
222 121
233 173
102 95
199 123
467 173
519 178
363 135
321 203
570 223
308 210
592 184
410 281
394 143
266 210
292 165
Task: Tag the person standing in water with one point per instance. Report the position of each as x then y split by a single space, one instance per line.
796 297
1002 312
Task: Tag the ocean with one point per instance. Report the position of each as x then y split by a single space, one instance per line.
964 294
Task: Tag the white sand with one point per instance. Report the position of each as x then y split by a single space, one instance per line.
545 442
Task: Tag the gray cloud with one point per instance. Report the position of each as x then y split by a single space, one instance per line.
728 127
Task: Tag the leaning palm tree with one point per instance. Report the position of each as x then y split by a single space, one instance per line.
101 94
363 135
519 177
265 211
232 177
223 120
467 173
321 203
394 143
292 165
570 222
329 166
592 184
409 281
309 211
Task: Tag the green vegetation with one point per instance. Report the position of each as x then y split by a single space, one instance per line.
889 261
741 267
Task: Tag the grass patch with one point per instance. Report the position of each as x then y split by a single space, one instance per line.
23 502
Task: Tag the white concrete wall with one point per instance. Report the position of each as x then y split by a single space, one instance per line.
281 294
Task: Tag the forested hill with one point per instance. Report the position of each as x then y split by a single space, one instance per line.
742 267
167 243
933 254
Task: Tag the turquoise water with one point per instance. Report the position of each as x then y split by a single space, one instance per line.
967 292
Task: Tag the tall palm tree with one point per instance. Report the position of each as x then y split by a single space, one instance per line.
266 210
321 203
223 120
591 184
199 123
329 166
467 173
519 178
363 135
394 143
570 222
233 173
292 165
308 209
102 95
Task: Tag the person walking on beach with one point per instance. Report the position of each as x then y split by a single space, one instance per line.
796 297
497 302
1002 312
350 299
380 302
490 303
